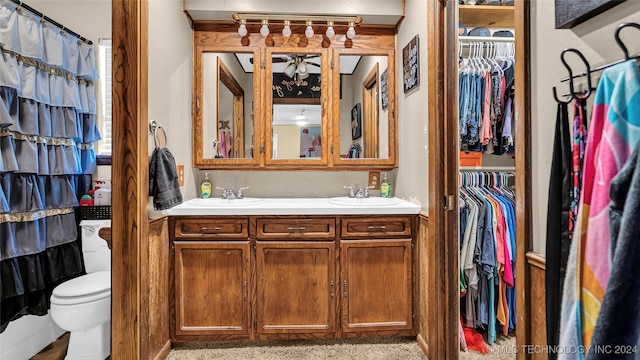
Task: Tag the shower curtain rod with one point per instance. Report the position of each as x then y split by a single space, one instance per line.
50 20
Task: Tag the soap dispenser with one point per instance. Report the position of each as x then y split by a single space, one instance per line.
385 187
205 187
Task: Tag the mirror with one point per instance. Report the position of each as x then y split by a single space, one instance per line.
227 106
364 106
296 118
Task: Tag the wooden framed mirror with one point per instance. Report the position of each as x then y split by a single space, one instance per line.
297 126
364 108
224 107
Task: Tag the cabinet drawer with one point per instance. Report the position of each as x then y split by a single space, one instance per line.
388 226
316 228
208 229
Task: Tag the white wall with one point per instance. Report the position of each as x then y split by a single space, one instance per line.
412 175
26 336
595 40
170 72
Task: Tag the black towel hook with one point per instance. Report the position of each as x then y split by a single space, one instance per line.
572 93
588 71
617 37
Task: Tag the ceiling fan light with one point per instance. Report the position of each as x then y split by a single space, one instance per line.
264 29
302 68
308 32
290 70
286 30
242 30
330 31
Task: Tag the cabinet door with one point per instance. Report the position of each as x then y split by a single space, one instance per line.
376 285
212 288
295 287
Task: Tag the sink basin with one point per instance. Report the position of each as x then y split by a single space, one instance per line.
371 201
218 202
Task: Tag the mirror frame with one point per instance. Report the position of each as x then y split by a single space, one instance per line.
198 159
325 79
219 37
372 163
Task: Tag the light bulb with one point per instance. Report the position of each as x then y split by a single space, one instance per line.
330 31
286 30
264 29
302 68
309 31
351 32
242 30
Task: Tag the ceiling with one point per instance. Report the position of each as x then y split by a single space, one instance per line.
286 114
348 63
372 12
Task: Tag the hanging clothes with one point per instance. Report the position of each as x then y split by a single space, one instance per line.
485 90
558 224
613 133
47 131
618 328
487 253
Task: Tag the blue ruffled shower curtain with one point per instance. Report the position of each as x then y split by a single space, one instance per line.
47 130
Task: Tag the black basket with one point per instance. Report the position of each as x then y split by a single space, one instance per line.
102 212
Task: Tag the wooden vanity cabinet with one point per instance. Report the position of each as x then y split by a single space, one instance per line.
296 277
212 279
293 277
376 262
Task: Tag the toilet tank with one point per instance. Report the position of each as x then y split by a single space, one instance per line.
95 252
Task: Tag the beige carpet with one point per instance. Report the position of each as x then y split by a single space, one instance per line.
396 348
503 349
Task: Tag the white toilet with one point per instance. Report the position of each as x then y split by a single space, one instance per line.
82 305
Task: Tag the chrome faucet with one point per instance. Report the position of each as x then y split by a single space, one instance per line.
352 194
239 194
360 194
230 195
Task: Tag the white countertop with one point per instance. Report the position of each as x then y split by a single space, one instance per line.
295 206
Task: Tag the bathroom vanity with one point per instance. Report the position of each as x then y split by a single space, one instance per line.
293 268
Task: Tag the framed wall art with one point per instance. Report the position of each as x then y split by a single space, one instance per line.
356 122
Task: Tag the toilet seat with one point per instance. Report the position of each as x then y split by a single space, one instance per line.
83 289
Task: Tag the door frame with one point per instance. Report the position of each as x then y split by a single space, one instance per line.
130 179
443 313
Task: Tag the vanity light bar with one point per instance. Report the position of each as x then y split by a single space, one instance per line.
286 20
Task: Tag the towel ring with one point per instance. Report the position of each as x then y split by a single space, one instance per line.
153 128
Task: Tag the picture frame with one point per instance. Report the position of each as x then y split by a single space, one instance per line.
356 121
411 64
570 13
384 89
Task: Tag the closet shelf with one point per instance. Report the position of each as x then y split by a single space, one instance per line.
487 16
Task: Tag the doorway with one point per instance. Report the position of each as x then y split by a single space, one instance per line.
443 233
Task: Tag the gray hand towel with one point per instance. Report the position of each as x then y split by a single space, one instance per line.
163 180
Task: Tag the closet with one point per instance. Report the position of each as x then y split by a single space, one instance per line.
483 167
486 197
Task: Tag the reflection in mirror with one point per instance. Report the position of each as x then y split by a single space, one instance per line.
297 115
227 121
297 131
364 107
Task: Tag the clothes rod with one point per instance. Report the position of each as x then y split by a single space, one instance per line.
50 20
487 168
465 39
599 68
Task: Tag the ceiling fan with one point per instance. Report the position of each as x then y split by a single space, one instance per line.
297 68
